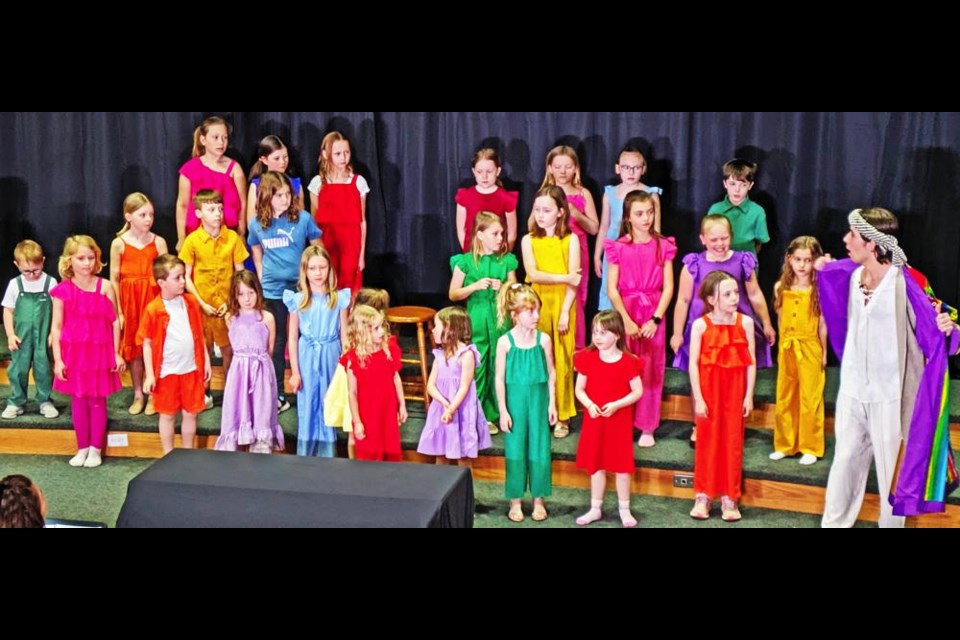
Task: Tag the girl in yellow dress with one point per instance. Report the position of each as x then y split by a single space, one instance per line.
552 263
803 355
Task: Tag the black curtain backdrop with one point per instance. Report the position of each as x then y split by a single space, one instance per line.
66 173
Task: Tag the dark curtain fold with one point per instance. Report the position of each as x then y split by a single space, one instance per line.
63 173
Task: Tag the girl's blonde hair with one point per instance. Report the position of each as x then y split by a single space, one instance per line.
562 150
626 228
313 251
457 328
715 218
270 184
491 155
563 222
788 277
133 202
711 287
70 248
379 299
326 149
610 321
514 299
198 148
249 280
484 221
360 332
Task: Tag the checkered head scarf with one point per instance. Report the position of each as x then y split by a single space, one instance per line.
886 242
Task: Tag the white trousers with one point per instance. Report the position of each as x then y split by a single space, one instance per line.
862 429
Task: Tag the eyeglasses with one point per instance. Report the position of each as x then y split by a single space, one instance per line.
626 168
30 272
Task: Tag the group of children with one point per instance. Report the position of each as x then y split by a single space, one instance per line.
516 360
722 331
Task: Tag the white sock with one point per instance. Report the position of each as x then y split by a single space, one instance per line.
93 458
593 515
80 458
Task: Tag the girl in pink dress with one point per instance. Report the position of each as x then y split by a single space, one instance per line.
489 195
563 170
86 344
210 168
640 287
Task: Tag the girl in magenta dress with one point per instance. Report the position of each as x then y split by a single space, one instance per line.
563 170
608 385
210 168
456 428
86 345
640 287
376 394
489 195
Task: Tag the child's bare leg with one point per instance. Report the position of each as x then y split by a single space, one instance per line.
227 353
351 447
441 460
623 496
136 375
167 432
188 430
598 484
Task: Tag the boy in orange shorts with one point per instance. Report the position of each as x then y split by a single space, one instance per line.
176 362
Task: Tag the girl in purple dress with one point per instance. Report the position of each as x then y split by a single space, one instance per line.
249 418
456 428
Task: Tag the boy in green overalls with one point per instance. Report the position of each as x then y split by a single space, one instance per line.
27 310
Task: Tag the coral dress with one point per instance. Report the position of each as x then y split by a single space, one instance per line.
500 202
724 358
137 289
86 342
606 444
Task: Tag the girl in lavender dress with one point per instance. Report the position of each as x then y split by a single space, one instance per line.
249 416
456 428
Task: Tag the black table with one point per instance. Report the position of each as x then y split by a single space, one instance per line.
204 488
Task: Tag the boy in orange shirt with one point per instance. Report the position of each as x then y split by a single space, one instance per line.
175 359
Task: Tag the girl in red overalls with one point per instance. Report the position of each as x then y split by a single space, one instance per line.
338 199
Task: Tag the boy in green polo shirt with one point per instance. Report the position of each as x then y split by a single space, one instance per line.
748 219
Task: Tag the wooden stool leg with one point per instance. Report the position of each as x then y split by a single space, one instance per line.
424 374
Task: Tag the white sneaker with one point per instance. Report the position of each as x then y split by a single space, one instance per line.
80 458
808 459
207 403
216 351
777 455
282 405
47 410
11 412
93 458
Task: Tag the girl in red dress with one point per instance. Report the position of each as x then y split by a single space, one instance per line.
608 385
376 394
723 372
490 196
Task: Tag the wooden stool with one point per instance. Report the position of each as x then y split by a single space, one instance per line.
420 316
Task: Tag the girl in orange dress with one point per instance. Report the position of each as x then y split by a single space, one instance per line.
723 372
131 273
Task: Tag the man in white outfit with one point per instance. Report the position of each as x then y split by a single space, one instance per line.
883 362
